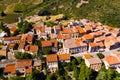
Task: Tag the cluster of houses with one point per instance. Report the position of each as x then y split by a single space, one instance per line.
76 37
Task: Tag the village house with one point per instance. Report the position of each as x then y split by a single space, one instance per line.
50 44
53 36
37 64
33 49
23 67
11 46
48 30
112 61
93 47
62 37
64 58
52 62
97 34
40 31
88 38
73 46
80 30
3 51
2 34
73 32
88 29
92 62
57 29
111 43
9 71
8 40
21 47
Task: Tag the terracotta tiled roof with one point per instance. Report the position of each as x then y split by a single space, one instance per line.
48 43
87 28
10 68
100 44
60 36
93 44
94 60
87 56
71 43
23 63
88 36
64 56
97 33
12 38
33 48
80 29
51 58
111 60
13 29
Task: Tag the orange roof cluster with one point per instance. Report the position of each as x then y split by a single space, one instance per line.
12 38
10 68
33 48
23 63
64 56
51 58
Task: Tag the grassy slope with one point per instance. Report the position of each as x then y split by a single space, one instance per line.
106 11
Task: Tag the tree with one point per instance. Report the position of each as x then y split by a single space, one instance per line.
75 72
2 13
46 51
79 60
36 75
51 77
20 55
100 55
19 7
16 46
17 78
110 74
102 76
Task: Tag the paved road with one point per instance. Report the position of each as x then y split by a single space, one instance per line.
94 53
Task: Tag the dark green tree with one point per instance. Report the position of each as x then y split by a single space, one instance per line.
2 13
100 55
51 77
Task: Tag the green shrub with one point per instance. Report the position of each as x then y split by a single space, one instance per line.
19 7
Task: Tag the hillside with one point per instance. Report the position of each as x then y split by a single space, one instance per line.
106 11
